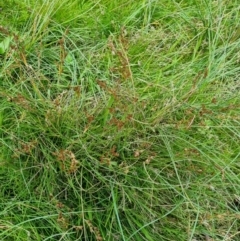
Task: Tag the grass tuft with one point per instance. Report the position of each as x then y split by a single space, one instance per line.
119 120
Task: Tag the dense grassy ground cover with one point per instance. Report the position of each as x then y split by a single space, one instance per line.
119 120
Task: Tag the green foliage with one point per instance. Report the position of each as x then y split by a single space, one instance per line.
14 13
119 120
4 45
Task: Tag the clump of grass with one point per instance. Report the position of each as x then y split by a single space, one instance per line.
120 121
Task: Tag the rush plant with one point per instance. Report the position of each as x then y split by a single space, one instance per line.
119 120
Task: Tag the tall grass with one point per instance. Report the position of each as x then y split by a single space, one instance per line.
119 120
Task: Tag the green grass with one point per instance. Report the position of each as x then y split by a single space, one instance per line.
119 120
